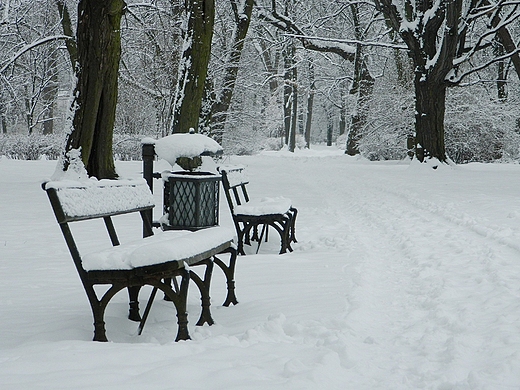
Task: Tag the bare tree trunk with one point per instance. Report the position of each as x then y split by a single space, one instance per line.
99 51
310 104
294 104
28 111
429 119
287 91
362 86
330 126
343 108
193 65
3 112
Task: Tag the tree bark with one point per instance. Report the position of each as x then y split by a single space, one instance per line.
430 98
99 51
294 104
193 65
310 105
343 108
3 112
287 91
330 125
437 37
362 86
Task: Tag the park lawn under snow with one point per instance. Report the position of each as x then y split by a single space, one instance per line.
404 277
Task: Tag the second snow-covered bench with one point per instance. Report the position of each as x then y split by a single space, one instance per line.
248 214
145 261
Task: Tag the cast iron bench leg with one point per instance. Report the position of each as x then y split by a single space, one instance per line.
179 299
133 312
204 285
229 271
98 309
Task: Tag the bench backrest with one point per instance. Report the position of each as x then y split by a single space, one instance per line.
76 201
234 181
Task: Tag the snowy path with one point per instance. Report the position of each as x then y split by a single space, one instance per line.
403 278
431 287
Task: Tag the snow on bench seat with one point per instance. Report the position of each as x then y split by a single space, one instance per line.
170 245
264 206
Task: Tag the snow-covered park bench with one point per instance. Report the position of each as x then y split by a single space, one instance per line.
145 261
249 214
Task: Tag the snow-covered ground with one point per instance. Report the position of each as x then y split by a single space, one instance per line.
404 277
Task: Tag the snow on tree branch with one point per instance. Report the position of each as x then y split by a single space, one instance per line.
31 46
284 23
346 43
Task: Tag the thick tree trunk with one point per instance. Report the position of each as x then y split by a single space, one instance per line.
430 98
99 51
193 65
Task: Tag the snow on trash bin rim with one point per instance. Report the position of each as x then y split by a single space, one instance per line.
173 146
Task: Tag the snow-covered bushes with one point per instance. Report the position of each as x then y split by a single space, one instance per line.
389 123
127 147
31 147
479 129
37 146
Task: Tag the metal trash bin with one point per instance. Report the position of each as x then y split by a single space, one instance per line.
191 200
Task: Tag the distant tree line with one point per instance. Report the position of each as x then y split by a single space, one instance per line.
372 77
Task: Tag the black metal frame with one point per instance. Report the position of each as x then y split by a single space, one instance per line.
153 275
247 226
148 156
198 183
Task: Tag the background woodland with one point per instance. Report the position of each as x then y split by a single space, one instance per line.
309 71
